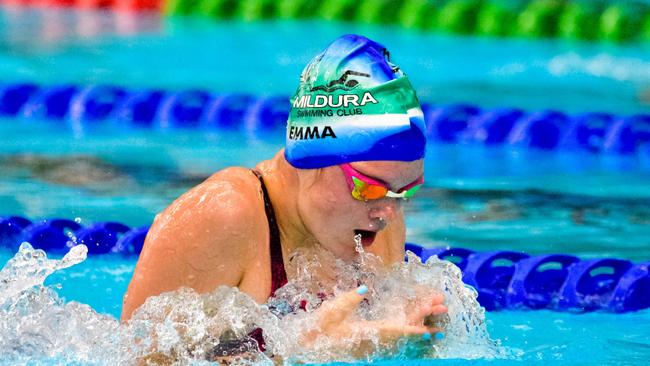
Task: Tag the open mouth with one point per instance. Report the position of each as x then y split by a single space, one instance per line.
367 237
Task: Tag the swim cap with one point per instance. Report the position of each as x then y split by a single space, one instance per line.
353 104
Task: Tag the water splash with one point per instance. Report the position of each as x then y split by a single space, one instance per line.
38 327
30 267
393 291
358 247
184 327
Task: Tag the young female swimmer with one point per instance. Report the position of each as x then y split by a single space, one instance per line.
354 151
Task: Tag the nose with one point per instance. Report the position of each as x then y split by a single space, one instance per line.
383 211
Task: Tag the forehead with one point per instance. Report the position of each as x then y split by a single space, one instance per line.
396 173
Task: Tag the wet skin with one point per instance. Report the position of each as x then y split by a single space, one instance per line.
217 233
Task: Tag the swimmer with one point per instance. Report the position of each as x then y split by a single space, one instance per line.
355 144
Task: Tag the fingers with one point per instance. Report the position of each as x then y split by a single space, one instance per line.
395 331
334 316
335 319
437 299
349 301
439 310
434 307
424 311
338 309
411 330
417 317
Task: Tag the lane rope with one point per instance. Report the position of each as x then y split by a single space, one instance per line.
86 107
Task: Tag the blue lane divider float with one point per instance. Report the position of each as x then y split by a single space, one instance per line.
490 274
502 279
49 103
195 108
58 235
96 103
513 280
536 281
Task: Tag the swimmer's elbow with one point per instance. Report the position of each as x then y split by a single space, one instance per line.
125 316
128 307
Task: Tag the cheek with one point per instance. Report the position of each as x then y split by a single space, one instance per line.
334 205
328 205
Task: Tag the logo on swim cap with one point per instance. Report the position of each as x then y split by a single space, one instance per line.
353 94
333 101
342 82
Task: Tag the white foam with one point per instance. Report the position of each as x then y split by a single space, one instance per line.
37 327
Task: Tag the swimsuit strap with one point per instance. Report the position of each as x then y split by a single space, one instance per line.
278 274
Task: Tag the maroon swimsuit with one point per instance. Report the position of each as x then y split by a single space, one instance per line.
278 274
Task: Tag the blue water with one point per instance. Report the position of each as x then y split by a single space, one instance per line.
476 197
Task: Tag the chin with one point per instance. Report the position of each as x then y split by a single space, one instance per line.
343 252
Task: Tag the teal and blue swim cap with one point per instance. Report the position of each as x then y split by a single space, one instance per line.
353 104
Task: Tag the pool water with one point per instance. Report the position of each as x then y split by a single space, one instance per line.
476 197
482 198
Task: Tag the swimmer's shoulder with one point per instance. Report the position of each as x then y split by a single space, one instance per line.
237 190
229 200
221 217
236 177
206 238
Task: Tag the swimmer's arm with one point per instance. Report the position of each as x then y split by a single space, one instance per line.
203 240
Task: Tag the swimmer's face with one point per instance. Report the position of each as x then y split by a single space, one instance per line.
333 216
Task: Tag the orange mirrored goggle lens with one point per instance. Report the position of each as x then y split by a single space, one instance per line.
368 191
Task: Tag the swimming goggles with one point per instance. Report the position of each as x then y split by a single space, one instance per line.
365 188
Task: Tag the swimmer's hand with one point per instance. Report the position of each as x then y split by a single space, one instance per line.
336 319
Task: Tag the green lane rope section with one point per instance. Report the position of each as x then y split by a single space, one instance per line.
296 9
338 9
417 14
621 22
217 9
378 11
579 20
591 20
257 9
458 16
496 18
539 19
